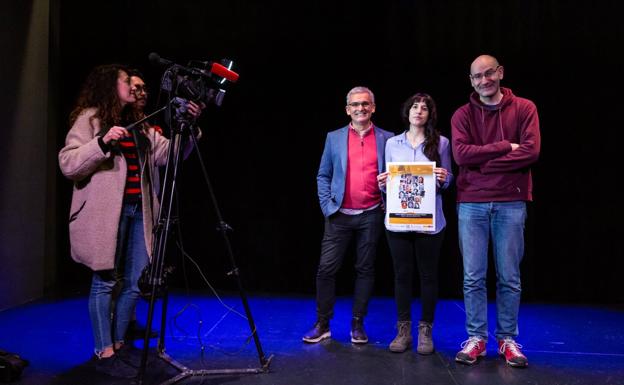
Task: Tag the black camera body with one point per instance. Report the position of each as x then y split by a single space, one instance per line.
200 81
200 89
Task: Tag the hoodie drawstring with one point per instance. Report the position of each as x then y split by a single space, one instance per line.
500 123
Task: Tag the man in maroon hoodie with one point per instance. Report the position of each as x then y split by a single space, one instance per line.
495 139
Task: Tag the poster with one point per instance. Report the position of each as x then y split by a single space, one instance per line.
410 196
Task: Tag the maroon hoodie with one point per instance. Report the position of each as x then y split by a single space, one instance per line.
482 136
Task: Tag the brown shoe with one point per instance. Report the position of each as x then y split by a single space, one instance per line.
403 339
425 342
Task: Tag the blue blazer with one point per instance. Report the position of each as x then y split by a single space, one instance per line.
333 169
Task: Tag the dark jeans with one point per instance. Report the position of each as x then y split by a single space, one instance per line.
340 229
425 249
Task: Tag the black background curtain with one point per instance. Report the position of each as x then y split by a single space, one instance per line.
297 61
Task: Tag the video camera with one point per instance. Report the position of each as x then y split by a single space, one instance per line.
200 81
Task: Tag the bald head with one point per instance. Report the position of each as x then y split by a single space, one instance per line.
483 61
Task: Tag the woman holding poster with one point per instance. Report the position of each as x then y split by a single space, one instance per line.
420 143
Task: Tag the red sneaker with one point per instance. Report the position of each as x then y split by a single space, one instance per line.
510 349
472 348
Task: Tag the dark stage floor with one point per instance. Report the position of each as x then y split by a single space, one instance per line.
565 344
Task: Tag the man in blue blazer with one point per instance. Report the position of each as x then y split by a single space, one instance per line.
351 203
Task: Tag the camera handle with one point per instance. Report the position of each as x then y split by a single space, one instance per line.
133 125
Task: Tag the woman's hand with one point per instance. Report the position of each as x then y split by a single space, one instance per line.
115 134
441 174
195 109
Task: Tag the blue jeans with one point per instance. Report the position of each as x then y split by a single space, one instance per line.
504 221
131 259
340 229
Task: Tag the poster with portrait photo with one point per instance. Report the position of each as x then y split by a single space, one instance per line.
410 196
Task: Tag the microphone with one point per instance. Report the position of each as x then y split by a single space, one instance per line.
224 72
155 59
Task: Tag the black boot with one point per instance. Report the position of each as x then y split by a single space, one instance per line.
358 334
319 332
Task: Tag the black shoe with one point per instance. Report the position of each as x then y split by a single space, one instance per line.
115 367
319 332
358 334
137 332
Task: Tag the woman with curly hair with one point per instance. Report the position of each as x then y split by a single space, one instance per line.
113 204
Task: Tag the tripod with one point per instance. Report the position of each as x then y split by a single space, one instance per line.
180 134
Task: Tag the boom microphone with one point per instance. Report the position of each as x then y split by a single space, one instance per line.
155 59
158 61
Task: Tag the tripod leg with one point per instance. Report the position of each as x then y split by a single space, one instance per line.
163 322
161 236
243 295
148 331
223 229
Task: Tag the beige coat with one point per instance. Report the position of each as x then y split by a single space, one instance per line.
99 182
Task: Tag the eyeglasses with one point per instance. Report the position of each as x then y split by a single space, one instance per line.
140 89
357 104
487 74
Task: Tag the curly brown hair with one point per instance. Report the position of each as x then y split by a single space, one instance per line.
99 91
432 135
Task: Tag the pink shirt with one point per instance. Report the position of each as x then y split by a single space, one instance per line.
361 190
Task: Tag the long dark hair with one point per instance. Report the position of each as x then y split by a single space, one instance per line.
99 91
432 135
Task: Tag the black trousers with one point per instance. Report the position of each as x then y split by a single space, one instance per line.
340 230
423 248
